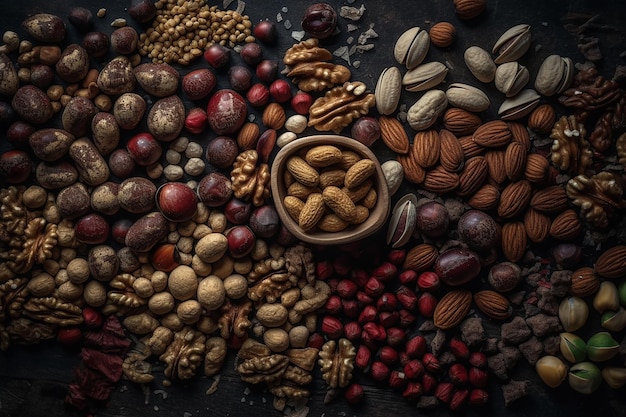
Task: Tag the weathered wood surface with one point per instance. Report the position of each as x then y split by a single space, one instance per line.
33 380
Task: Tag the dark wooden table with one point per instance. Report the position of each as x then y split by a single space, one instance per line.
33 379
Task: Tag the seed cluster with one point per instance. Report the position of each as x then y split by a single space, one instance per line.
182 30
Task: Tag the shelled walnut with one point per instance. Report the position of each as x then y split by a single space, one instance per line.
340 106
598 197
337 362
183 356
53 311
122 293
23 330
248 179
306 51
570 150
318 76
135 366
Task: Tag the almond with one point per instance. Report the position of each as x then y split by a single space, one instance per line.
393 134
427 148
612 263
461 122
519 134
515 161
493 134
537 167
248 135
452 309
473 176
486 198
323 155
537 225
470 148
440 181
496 165
413 172
451 154
469 9
566 226
550 200
442 34
585 282
493 304
421 257
542 119
514 199
274 116
514 241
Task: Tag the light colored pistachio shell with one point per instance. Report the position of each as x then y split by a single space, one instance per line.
573 313
601 347
425 76
607 297
519 106
572 347
394 174
411 47
614 321
555 75
511 77
285 138
403 221
551 370
427 109
480 63
615 377
467 97
388 89
513 44
584 377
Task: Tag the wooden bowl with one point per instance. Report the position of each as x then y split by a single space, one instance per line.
378 214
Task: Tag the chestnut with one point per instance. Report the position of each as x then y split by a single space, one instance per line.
144 149
432 219
366 130
124 40
92 229
217 55
504 276
478 229
165 257
142 11
196 120
280 90
251 53
81 18
319 20
258 95
240 78
15 166
121 163
214 189
176 201
237 211
18 133
227 111
136 194
457 266
267 70
96 44
222 151
567 255
119 230
241 241
41 76
264 221
265 31
199 83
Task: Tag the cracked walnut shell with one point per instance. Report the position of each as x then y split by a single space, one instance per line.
340 106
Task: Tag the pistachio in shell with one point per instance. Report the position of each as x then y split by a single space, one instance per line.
521 105
424 76
573 313
602 347
607 297
467 97
411 47
511 77
480 63
615 377
551 370
403 221
614 321
513 44
572 347
45 27
584 377
554 76
388 89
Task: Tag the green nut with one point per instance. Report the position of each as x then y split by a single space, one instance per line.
614 377
551 370
584 377
614 321
602 347
573 347
573 313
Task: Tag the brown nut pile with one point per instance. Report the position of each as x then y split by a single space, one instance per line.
329 178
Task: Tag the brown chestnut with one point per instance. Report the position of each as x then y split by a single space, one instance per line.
240 78
198 83
366 130
237 211
319 20
251 53
217 55
241 240
15 166
432 219
222 151
265 31
478 229
226 111
124 40
92 229
142 11
121 163
504 276
136 194
81 18
119 230
264 221
176 201
457 266
18 133
267 70
165 257
214 189
144 149
96 44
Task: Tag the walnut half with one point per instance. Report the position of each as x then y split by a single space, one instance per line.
598 197
570 150
340 106
337 362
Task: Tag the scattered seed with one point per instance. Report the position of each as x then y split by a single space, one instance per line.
118 23
279 17
284 9
356 64
287 24
101 12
